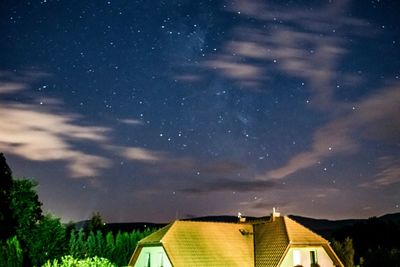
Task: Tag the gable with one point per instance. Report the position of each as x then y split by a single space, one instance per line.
301 255
152 256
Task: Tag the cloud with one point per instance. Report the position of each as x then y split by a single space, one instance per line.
11 87
130 121
46 132
338 136
388 174
243 73
297 42
226 185
141 154
39 134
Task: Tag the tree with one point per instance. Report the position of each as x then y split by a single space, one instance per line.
95 223
72 243
11 253
47 241
109 246
92 248
100 243
81 250
7 223
345 251
27 212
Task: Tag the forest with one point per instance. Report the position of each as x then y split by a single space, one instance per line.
28 237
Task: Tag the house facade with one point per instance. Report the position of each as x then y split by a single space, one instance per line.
275 241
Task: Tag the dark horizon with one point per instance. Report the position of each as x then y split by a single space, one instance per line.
147 111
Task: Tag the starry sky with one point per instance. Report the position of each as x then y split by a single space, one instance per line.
156 110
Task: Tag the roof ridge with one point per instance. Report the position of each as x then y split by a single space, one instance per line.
235 223
286 228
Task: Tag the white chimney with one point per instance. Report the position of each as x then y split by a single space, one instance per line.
274 214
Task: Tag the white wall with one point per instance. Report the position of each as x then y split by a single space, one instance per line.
323 258
158 257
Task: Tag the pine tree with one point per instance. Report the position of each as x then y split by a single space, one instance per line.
91 245
81 251
100 243
72 244
109 247
119 250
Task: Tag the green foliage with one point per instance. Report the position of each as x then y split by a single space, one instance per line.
11 253
69 261
109 246
122 249
7 223
95 223
100 243
92 248
47 241
41 238
345 251
80 252
26 208
118 249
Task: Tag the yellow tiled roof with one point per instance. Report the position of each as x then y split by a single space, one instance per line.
271 242
190 243
297 233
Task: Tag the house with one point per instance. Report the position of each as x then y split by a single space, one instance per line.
268 242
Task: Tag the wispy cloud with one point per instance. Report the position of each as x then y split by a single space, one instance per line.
41 134
130 121
388 174
338 136
297 42
139 154
46 132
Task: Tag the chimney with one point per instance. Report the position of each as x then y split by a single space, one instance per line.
241 219
274 214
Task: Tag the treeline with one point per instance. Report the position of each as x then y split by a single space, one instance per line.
117 248
30 238
376 242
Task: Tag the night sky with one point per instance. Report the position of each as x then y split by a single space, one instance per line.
156 110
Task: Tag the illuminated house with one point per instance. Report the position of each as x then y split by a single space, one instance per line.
270 242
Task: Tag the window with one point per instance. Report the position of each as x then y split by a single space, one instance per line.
148 261
313 258
161 259
296 257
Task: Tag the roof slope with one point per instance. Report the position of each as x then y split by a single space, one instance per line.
297 233
155 237
190 243
271 242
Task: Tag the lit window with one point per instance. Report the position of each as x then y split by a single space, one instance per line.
296 257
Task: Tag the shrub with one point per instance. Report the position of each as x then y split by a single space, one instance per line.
69 261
